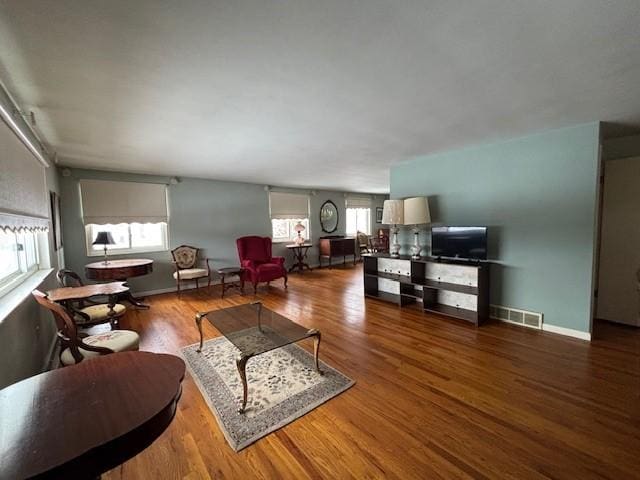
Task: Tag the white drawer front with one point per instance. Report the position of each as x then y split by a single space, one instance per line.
394 265
389 286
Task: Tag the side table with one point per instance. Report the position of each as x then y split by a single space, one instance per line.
299 256
230 271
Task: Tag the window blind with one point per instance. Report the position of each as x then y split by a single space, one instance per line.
354 201
106 201
288 205
23 191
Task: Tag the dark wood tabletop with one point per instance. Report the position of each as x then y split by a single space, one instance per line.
82 420
126 263
86 291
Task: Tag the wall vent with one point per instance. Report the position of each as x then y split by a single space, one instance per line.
516 316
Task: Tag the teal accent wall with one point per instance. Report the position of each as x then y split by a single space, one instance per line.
538 195
209 214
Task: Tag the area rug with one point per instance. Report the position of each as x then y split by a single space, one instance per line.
283 386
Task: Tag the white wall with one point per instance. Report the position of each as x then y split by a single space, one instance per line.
618 296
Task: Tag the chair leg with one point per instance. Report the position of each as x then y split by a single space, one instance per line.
286 280
197 286
255 288
209 284
178 286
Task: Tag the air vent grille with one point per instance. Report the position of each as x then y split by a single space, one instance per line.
516 316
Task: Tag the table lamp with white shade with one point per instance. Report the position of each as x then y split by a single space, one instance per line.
393 215
416 213
299 240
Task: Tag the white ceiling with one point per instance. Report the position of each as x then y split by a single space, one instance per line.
322 93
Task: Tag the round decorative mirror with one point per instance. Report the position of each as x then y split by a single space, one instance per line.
329 217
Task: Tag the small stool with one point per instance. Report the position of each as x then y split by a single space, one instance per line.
229 271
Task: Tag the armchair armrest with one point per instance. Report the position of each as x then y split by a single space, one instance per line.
277 260
248 264
206 260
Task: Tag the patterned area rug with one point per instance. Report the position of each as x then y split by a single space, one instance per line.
283 385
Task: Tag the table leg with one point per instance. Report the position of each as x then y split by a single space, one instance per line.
134 301
199 324
222 284
316 348
241 364
112 313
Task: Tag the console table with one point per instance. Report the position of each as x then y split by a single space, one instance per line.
120 270
452 288
336 246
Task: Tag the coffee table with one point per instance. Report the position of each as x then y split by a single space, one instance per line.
254 329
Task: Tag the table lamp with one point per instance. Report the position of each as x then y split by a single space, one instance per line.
299 240
393 215
104 239
416 212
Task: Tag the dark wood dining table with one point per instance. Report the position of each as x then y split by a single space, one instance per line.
83 420
122 270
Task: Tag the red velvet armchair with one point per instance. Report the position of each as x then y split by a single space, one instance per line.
257 263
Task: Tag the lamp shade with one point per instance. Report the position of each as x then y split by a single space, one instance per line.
299 227
393 212
416 211
104 238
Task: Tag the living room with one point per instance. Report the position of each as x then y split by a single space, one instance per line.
319 240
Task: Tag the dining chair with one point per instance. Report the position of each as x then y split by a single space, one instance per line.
74 348
87 312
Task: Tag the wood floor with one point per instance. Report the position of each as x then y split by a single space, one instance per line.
434 398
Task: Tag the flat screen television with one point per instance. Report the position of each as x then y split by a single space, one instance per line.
459 242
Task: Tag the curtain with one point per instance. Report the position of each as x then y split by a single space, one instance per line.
288 205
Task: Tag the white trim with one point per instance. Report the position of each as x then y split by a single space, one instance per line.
569 332
19 294
511 322
184 285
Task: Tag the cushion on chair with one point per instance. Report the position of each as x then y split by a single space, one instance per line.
190 273
100 312
116 340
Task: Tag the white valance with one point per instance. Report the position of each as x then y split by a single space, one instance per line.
105 201
23 190
355 201
288 205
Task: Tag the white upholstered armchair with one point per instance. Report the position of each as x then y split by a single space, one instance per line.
189 267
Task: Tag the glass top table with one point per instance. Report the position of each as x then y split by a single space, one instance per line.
254 329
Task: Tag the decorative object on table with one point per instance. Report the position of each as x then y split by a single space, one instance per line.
286 381
120 270
393 215
364 245
300 251
56 223
74 348
416 213
380 241
105 423
104 239
329 217
185 262
86 311
336 246
258 265
299 239
230 271
378 214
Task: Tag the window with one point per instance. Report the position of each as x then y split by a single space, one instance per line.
283 229
286 210
358 220
18 258
129 237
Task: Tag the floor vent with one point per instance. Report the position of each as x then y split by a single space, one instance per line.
517 316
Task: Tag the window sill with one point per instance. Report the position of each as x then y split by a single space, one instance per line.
117 253
14 298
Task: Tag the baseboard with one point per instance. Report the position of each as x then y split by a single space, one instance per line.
568 332
183 287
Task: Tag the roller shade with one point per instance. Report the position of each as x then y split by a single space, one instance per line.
23 191
123 202
288 205
354 201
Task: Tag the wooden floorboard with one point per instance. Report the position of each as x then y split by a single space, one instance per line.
434 398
